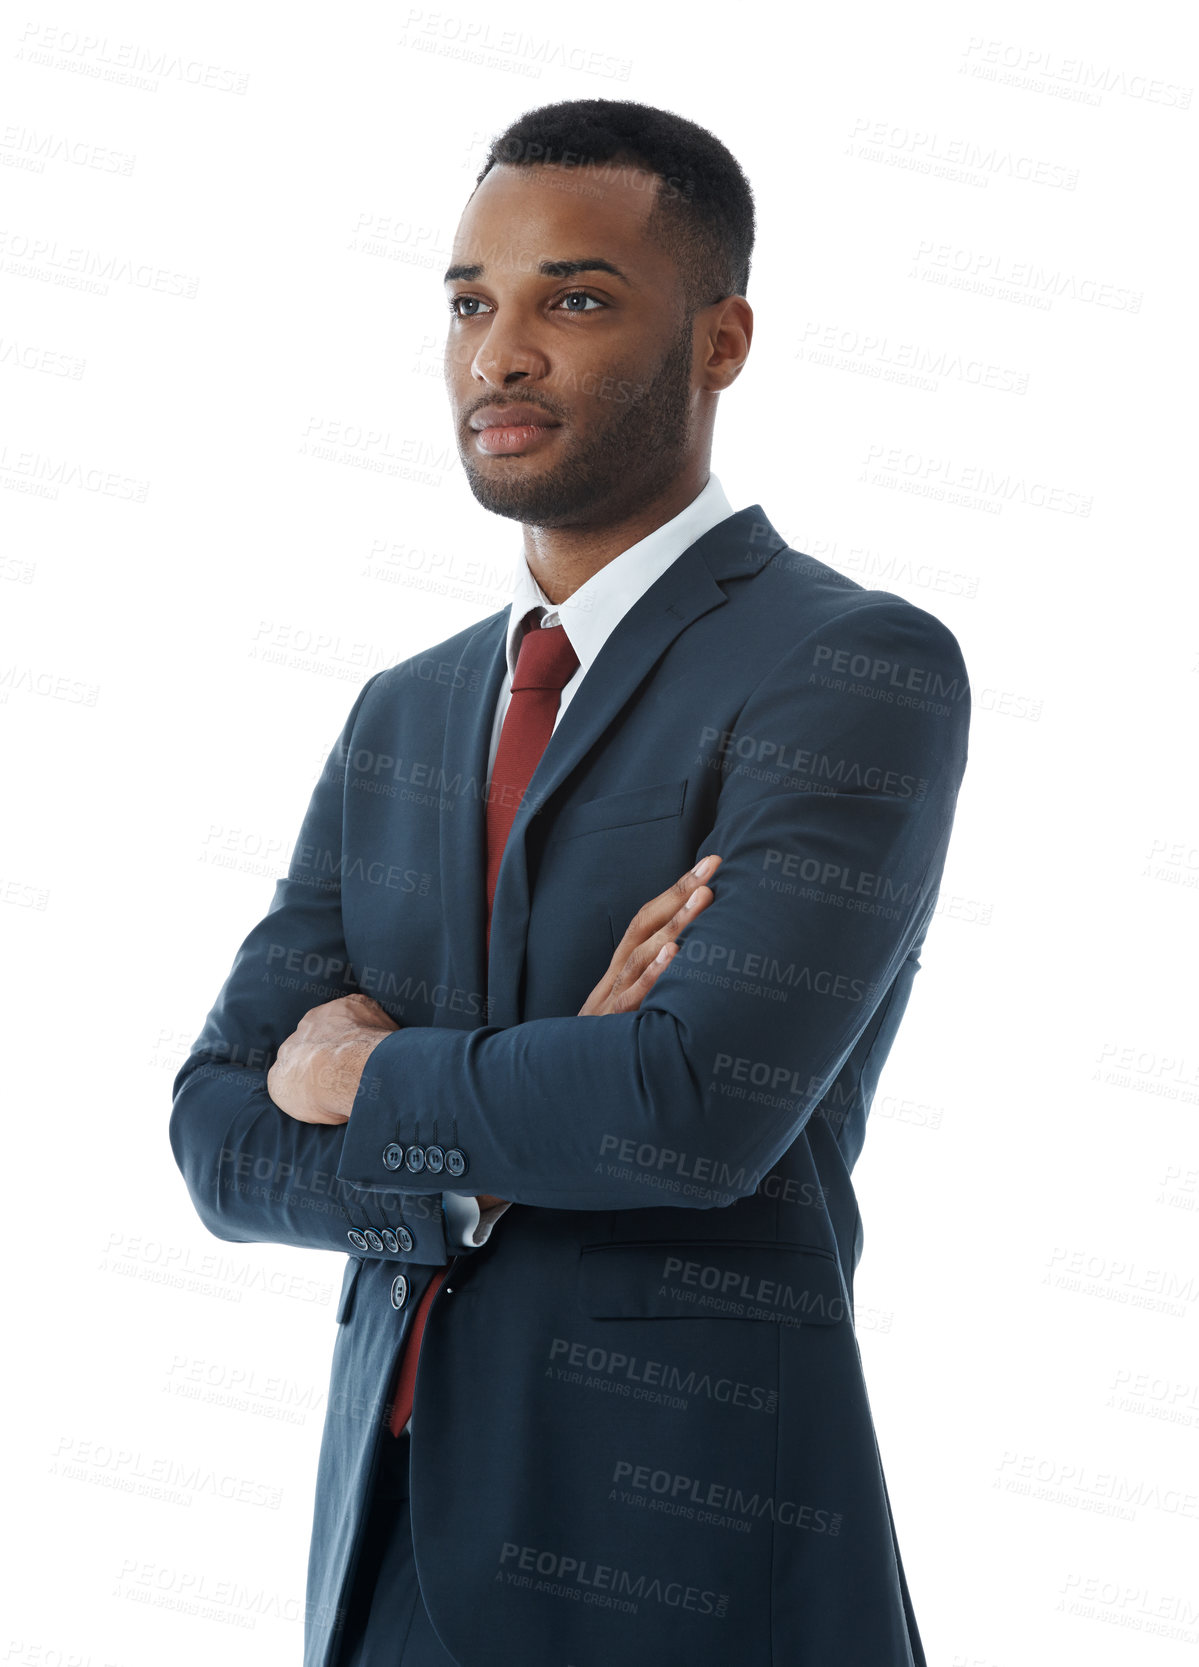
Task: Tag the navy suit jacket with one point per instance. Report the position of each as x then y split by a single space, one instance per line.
641 1431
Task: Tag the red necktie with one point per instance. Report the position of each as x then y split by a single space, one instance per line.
544 664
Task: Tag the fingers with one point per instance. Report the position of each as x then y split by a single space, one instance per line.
344 1015
368 1011
656 923
643 955
655 914
630 999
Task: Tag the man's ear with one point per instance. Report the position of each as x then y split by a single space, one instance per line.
729 333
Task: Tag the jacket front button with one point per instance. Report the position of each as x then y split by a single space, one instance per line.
399 1291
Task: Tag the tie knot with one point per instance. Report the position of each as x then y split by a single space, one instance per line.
545 659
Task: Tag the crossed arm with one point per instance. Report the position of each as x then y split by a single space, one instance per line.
318 1068
725 1059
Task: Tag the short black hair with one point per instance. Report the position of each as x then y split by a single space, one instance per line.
704 214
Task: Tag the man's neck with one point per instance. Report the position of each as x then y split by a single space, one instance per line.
562 559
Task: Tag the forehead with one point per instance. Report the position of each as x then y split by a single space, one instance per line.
520 216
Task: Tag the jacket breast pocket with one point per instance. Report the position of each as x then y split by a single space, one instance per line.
634 806
734 1279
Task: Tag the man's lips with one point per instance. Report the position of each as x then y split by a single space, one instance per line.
501 429
512 416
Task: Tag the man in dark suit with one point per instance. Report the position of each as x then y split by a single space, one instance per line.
623 1254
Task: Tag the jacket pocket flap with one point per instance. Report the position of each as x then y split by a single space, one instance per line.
615 810
788 1284
349 1279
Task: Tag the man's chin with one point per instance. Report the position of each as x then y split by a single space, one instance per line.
518 495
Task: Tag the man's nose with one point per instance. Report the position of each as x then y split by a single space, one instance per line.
507 351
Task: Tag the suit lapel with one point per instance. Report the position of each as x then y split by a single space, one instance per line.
474 691
738 547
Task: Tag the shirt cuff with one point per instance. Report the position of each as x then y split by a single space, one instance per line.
466 1226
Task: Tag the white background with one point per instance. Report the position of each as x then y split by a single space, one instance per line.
970 383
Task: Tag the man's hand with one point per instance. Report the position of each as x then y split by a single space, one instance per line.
649 946
316 1072
635 965
315 1075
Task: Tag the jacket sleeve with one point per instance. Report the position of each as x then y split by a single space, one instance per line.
253 1172
834 815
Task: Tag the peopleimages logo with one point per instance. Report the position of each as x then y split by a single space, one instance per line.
724 1497
766 1294
676 1381
894 674
575 1574
843 773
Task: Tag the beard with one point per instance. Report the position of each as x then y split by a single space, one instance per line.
639 450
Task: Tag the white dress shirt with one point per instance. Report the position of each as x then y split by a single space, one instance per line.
589 617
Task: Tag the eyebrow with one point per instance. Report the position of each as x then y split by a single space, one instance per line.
547 269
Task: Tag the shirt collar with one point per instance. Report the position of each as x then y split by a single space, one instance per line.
590 615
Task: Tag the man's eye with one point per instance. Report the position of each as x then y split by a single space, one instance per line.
572 296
